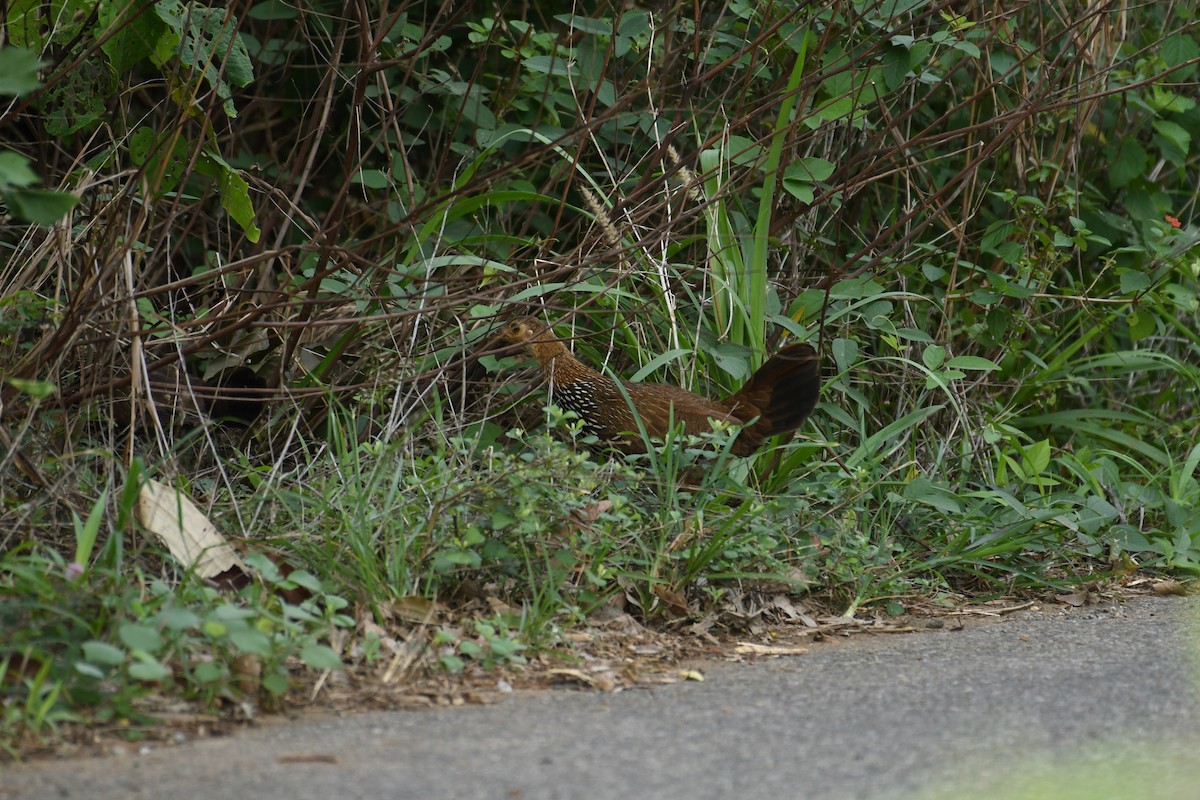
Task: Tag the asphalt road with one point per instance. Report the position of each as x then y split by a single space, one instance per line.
1100 702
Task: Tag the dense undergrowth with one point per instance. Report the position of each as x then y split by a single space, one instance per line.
256 252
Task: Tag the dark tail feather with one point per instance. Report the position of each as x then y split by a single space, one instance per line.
784 389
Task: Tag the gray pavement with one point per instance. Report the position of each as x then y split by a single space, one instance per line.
1100 702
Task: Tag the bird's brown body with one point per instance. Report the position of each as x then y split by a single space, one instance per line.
776 399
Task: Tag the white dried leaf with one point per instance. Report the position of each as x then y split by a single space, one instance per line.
183 528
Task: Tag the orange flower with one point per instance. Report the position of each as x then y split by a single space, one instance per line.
1175 223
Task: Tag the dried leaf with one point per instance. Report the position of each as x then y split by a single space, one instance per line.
309 758
602 681
183 528
750 648
1074 599
591 512
672 600
414 608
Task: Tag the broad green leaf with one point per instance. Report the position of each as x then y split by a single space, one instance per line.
276 683
319 656
1141 325
177 619
205 39
234 191
40 206
1176 50
77 99
277 10
971 363
925 491
1133 280
164 168
103 653
968 48
599 27
208 672
996 233
548 65
38 390
371 178
801 191
250 641
845 353
934 356
148 669
1174 140
810 169
1036 457
19 71
136 636
15 170
131 34
1127 160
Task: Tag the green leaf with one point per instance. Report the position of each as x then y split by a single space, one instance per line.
136 636
38 390
371 178
995 235
810 169
924 491
599 27
1174 141
968 48
208 672
78 99
971 363
273 10
306 580
15 170
801 191
164 166
234 191
103 653
1036 457
733 359
1133 281
845 353
205 39
85 533
135 33
548 65
319 656
251 641
148 670
276 683
1176 50
19 71
40 206
177 619
934 356
914 335
896 62
235 199
1141 325
799 177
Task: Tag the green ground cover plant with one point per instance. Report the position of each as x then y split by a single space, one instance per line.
257 252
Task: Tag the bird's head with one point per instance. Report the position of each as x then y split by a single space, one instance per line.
521 330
